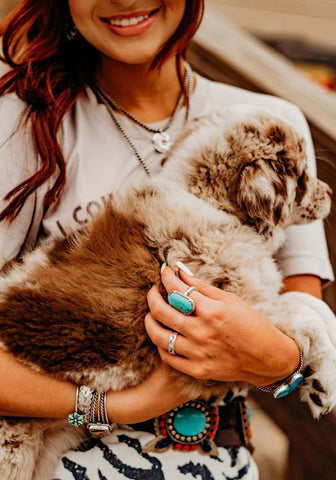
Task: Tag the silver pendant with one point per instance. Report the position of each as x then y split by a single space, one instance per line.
161 142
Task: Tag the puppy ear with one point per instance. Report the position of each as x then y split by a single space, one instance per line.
261 195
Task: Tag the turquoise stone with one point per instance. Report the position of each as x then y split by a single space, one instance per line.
189 422
249 411
76 419
293 385
181 302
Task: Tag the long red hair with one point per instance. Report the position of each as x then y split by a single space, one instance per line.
49 74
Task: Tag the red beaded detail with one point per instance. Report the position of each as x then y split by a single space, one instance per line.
246 427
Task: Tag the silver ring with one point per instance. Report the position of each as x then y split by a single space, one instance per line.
171 343
190 289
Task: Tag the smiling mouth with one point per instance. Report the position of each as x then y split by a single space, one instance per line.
129 20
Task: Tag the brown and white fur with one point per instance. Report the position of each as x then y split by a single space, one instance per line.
75 309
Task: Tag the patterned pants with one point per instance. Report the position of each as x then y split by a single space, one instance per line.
119 456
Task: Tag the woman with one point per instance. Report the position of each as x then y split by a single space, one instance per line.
79 69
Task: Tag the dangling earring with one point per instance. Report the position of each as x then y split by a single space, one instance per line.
70 29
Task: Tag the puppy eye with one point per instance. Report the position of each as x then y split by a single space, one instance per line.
302 181
301 187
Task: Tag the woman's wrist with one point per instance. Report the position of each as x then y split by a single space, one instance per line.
124 407
286 385
128 406
156 395
284 360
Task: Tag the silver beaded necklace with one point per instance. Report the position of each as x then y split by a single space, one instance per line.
160 139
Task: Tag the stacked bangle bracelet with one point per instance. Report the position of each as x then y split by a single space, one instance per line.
84 402
288 385
100 426
87 403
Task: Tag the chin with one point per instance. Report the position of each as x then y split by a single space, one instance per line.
131 56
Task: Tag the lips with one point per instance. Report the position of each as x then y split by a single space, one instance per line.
130 19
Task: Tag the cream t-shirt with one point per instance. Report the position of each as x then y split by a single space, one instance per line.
100 162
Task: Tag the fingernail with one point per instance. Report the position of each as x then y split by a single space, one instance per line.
163 266
184 268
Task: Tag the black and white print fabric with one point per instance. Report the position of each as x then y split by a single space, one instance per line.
119 456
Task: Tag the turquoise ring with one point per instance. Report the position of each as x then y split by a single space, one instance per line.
181 301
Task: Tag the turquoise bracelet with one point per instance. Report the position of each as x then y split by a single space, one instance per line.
81 414
288 385
76 418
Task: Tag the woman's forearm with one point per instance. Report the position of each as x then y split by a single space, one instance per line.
303 283
288 348
27 393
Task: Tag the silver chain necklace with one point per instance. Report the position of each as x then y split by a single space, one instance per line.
160 139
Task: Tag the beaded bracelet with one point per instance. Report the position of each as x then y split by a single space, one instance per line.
288 385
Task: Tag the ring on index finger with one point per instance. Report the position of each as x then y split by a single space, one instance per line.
181 301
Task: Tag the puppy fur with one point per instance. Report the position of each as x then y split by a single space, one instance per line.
75 308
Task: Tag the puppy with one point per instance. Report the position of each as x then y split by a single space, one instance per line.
75 308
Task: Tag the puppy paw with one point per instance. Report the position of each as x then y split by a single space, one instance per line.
318 390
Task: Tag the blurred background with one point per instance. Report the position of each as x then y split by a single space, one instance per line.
285 48
303 30
6 5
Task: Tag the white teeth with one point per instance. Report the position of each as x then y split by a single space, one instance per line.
126 22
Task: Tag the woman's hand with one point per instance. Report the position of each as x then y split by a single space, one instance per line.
224 339
156 395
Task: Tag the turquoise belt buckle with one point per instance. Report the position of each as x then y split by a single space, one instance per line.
189 427
181 302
